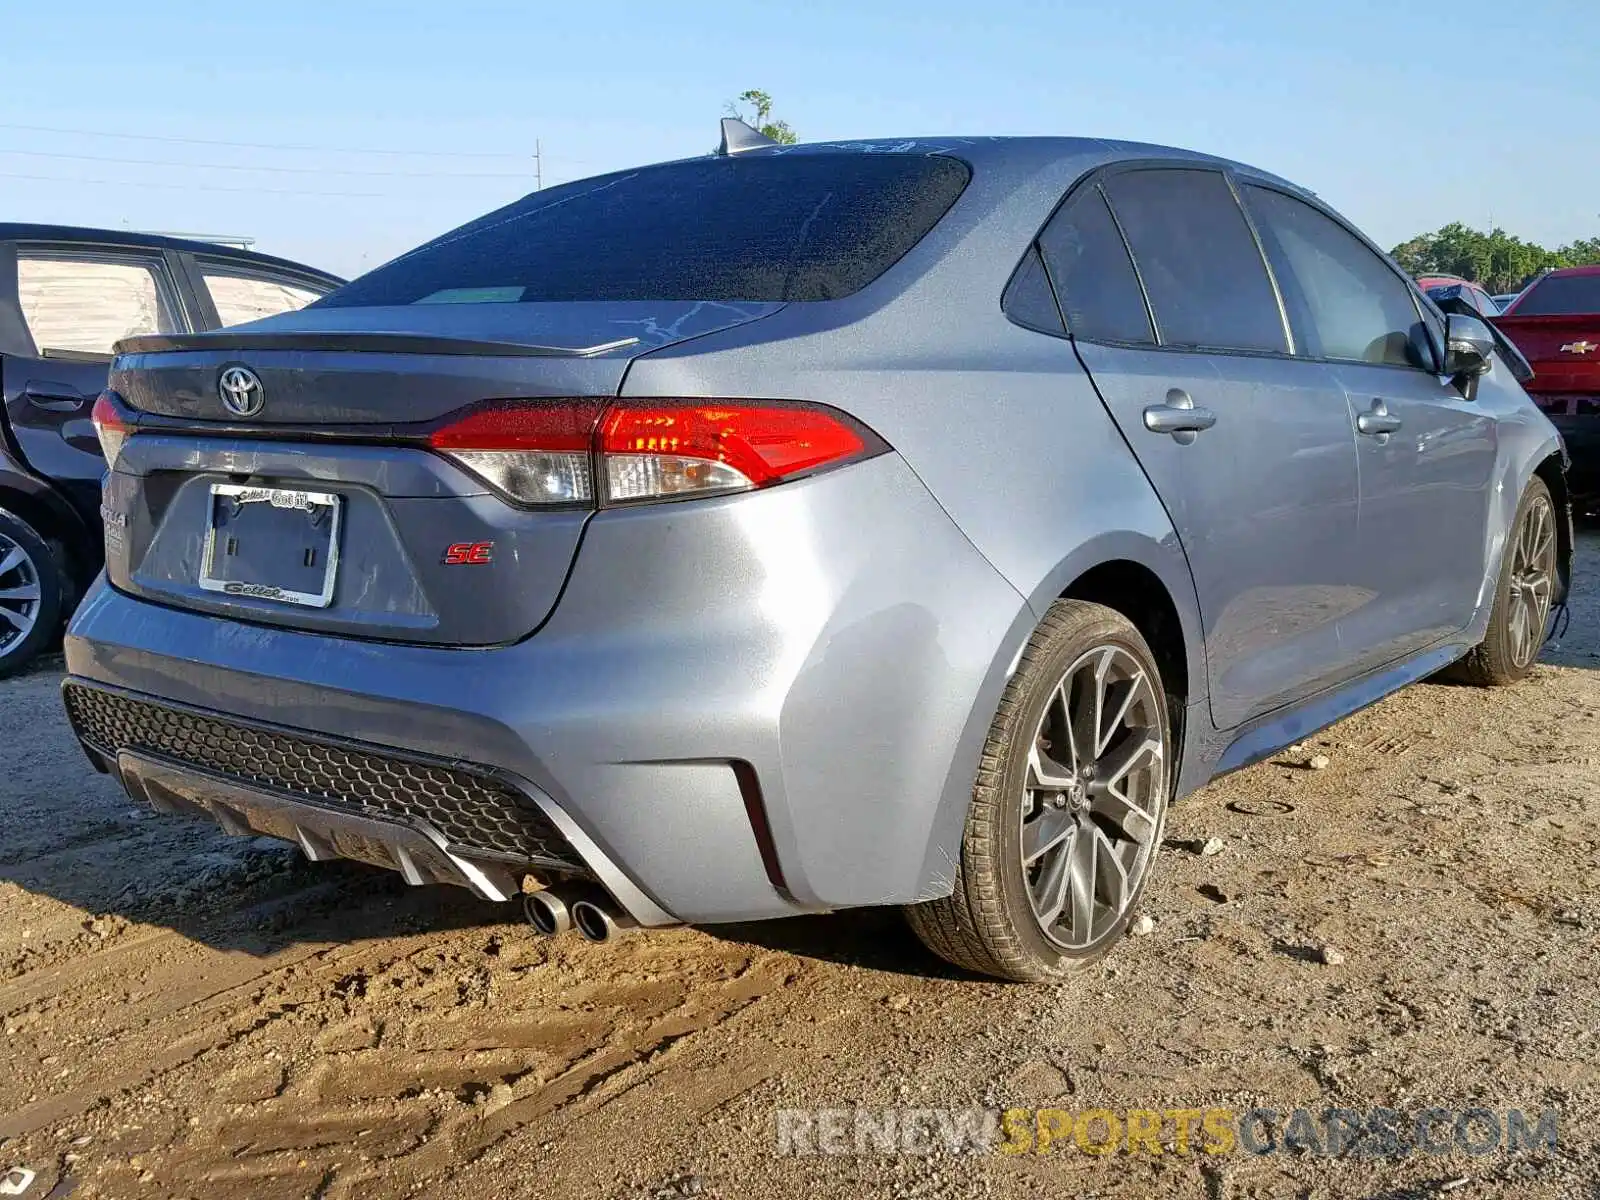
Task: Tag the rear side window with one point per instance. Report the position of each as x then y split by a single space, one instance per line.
1207 284
1093 276
808 226
1560 296
1344 300
84 305
241 298
1028 300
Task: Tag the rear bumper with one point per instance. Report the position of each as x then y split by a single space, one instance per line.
741 708
415 849
434 821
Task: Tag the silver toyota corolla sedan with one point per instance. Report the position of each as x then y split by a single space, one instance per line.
797 528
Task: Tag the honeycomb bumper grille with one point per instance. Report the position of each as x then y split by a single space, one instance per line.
473 811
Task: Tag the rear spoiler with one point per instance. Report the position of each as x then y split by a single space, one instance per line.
369 343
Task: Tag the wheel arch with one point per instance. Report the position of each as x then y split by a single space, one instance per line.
1138 593
1148 581
52 517
1552 469
1145 579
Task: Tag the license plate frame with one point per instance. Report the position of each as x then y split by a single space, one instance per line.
298 499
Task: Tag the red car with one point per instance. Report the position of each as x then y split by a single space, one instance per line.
1438 286
1556 325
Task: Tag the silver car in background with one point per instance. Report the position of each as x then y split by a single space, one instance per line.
875 523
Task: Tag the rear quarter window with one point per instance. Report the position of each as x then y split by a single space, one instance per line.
1028 300
1093 276
781 227
239 298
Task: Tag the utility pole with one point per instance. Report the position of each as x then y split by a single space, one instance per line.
538 167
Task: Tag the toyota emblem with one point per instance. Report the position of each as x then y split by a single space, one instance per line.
241 391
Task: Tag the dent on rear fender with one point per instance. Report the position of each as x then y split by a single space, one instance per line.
1020 465
832 633
877 720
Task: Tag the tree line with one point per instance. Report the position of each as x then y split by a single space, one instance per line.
1496 260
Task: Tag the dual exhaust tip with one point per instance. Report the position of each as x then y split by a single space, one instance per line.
552 911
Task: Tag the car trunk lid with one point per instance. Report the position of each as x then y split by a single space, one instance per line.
408 363
326 509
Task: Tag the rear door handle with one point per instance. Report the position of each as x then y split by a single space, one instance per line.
1378 421
1179 416
54 397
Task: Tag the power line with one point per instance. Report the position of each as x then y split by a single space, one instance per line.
184 187
187 141
157 162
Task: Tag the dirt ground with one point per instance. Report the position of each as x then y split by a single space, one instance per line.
186 1014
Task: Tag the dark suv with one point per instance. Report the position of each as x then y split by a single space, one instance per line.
66 296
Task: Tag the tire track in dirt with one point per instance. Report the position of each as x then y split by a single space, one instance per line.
378 1042
412 1074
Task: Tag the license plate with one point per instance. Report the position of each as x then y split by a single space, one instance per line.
272 544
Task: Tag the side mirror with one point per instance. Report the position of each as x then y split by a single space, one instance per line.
1469 347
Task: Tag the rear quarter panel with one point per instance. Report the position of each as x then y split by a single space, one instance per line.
1001 424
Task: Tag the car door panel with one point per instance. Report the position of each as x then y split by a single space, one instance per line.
1164 290
75 302
48 407
1425 491
1425 454
1264 503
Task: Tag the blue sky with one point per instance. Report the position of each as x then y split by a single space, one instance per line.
1382 108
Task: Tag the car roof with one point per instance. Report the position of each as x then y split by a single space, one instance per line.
1591 269
28 232
1022 152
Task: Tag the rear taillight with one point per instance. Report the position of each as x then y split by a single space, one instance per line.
109 426
536 453
577 452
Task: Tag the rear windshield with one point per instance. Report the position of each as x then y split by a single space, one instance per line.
811 226
1561 295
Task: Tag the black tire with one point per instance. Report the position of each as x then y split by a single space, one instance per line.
1498 660
38 569
988 924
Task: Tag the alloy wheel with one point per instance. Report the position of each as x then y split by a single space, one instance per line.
1533 560
21 595
1093 798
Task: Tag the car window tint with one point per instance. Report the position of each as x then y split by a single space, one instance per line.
1352 305
85 306
1028 300
763 227
1093 276
1561 295
1201 269
241 298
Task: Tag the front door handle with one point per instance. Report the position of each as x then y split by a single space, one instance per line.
1378 421
1179 416
54 397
